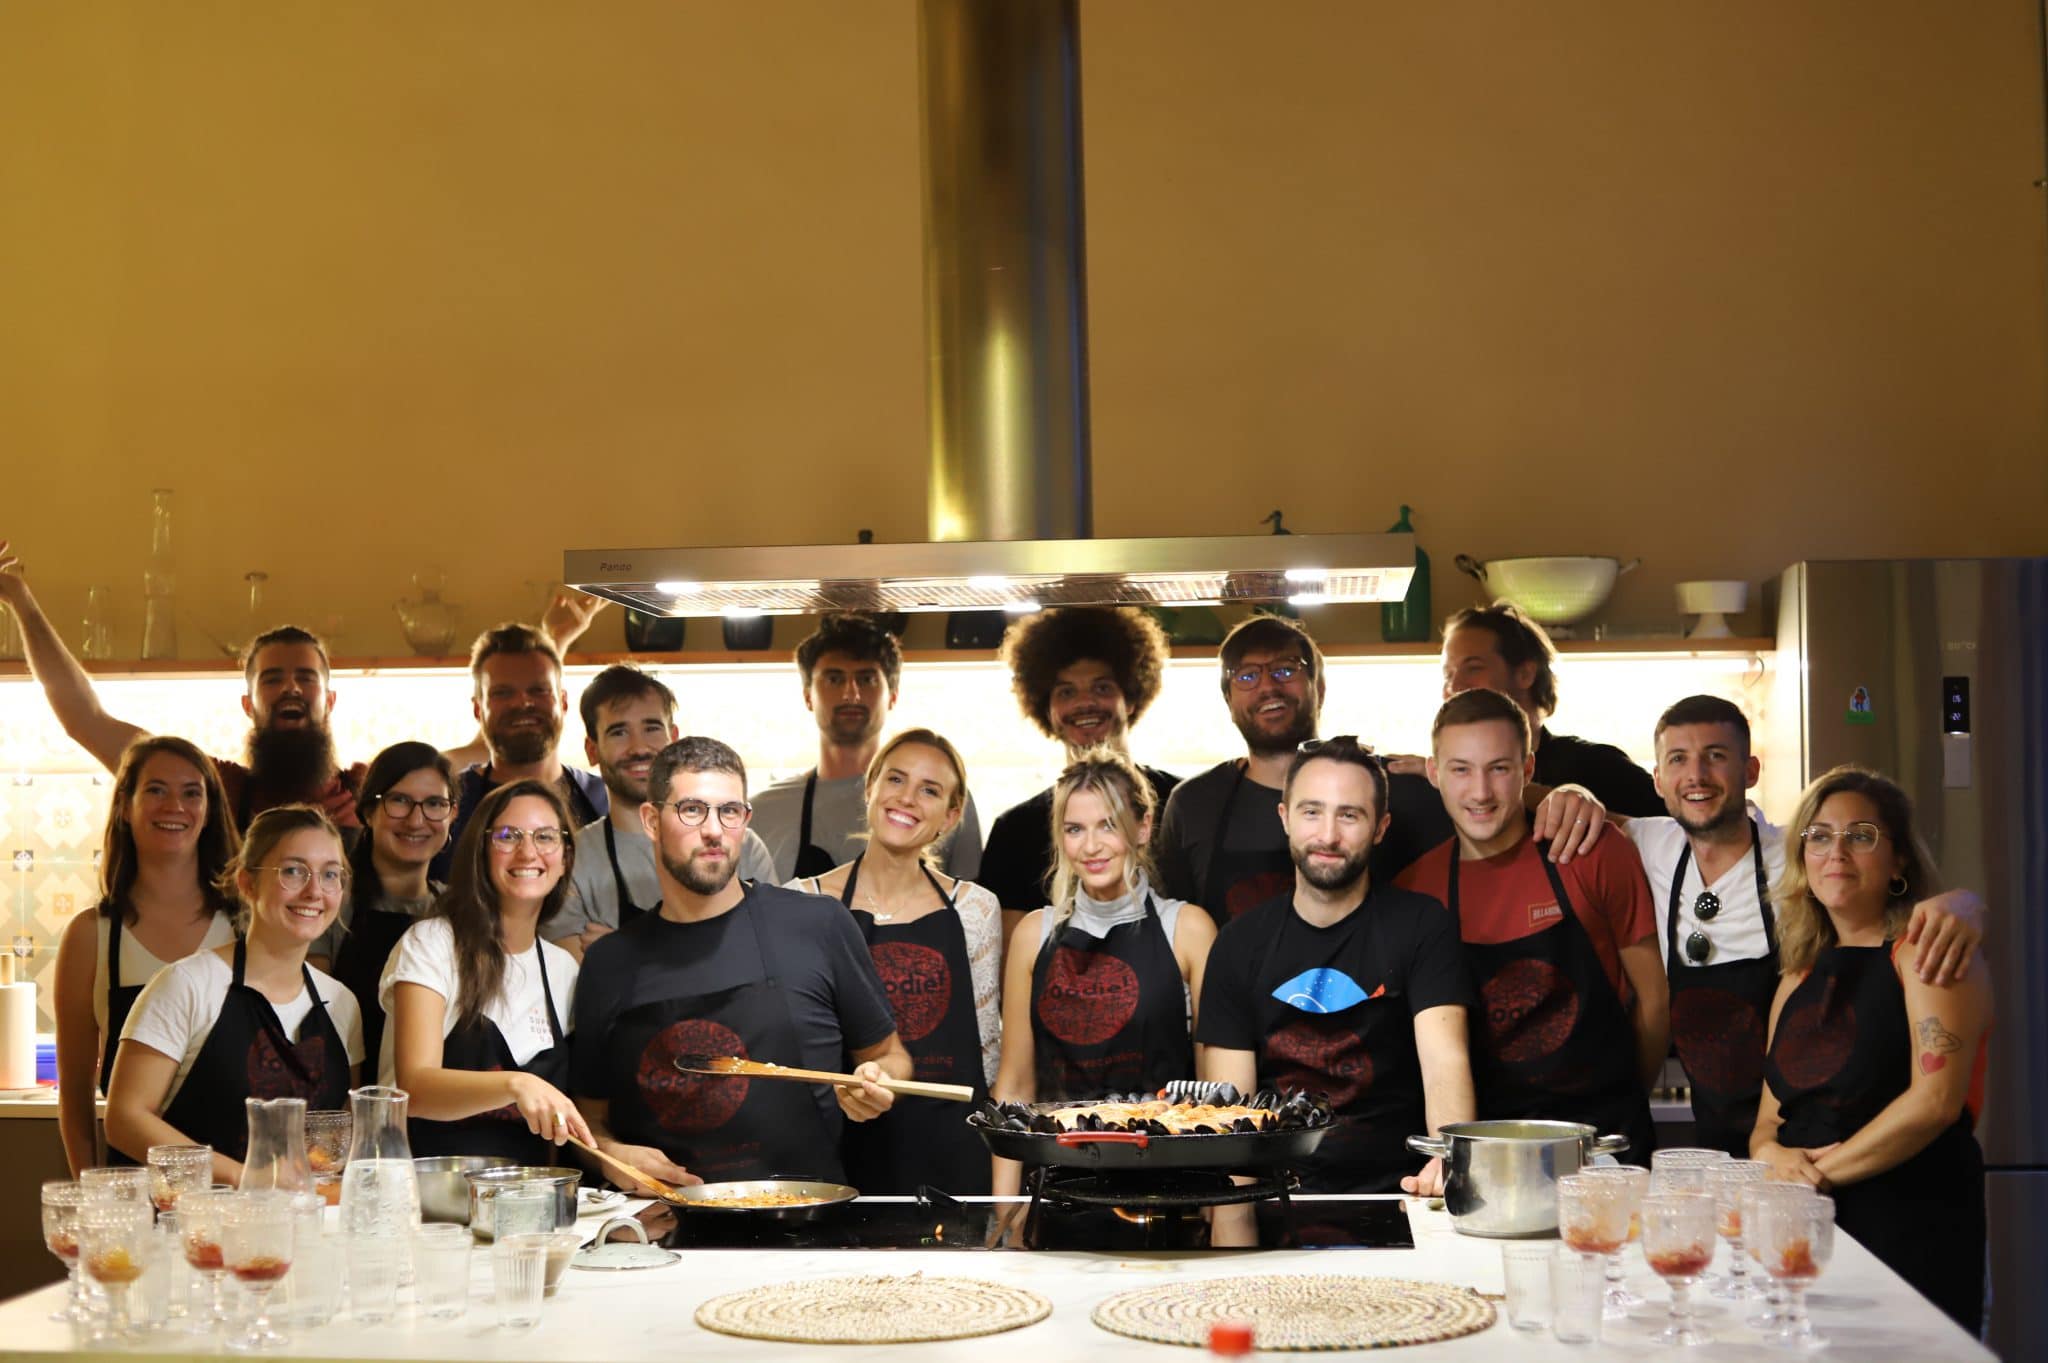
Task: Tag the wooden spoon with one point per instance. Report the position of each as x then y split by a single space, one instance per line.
662 1190
756 1069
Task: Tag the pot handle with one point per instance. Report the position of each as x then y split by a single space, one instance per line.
1471 567
627 1223
1436 1147
1070 1139
1610 1145
1628 567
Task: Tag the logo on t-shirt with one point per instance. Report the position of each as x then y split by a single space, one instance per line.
1324 990
1539 914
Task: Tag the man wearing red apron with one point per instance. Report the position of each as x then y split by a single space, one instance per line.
1573 1022
1342 987
726 967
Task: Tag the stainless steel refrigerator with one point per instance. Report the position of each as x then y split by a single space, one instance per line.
1935 672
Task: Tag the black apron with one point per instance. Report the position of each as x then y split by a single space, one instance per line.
120 1002
502 1132
1719 1019
1551 1039
1109 1015
811 861
359 964
628 910
1362 1057
1236 882
1842 1052
248 1055
929 983
719 1129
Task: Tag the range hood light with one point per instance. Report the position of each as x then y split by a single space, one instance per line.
1025 607
1317 575
679 588
1308 599
743 612
987 582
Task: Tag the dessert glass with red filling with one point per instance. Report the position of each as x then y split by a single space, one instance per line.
1678 1244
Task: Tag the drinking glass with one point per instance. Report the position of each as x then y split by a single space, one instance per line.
178 1169
1799 1239
1725 1182
1678 1242
256 1242
310 1291
519 1266
327 1138
523 1208
1755 1197
163 1260
123 1183
1636 1179
199 1217
112 1240
373 1264
1525 1268
1592 1214
1578 1284
62 1199
440 1270
1686 1157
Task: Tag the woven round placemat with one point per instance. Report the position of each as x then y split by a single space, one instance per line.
1300 1312
873 1309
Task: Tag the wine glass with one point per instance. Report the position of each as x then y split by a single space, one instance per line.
199 1215
1754 1199
175 1170
117 1183
62 1199
1725 1182
256 1243
327 1138
111 1243
1592 1214
1678 1242
1636 1180
1799 1239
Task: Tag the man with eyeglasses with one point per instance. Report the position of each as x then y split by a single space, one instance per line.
1221 841
628 717
726 968
1711 862
1573 1023
520 701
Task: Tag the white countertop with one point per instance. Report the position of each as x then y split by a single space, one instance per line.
1866 1311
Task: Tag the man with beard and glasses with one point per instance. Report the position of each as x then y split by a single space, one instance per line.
628 717
1344 986
852 670
520 702
1082 675
726 968
1572 1010
289 754
1711 864
1221 843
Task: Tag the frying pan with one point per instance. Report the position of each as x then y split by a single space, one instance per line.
702 1199
1234 1150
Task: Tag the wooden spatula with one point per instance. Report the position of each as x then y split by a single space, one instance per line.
732 1065
661 1189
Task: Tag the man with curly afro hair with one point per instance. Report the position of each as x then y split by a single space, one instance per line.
1083 675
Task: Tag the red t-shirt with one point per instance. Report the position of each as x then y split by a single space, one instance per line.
1507 897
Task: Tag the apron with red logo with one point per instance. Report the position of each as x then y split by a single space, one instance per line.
1238 881
1719 1016
1109 1014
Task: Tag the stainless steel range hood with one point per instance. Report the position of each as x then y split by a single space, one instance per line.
1006 387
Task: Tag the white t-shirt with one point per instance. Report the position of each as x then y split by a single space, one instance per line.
594 891
981 921
139 965
1737 931
177 1009
426 956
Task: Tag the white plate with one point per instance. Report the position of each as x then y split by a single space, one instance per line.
592 1200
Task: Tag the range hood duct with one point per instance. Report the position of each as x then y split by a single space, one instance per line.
1006 388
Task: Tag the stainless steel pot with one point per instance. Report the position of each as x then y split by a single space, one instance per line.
485 1183
1500 1178
444 1185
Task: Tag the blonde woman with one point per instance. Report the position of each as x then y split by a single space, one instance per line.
1097 995
937 944
1872 1073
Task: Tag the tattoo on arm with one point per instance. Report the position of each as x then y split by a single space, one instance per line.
1937 1038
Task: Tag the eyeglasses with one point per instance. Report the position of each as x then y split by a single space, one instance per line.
294 876
1247 675
692 813
1697 945
434 808
1857 837
546 841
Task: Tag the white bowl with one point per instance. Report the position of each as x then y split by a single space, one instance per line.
1713 603
1554 591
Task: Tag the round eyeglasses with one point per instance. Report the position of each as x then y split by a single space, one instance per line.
693 813
545 841
1248 675
295 876
435 808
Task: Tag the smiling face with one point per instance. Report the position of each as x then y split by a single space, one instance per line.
523 870
168 809
1480 770
1704 772
1846 880
1087 707
630 731
411 839
288 689
849 697
914 800
1275 716
1095 847
296 915
1472 658
1333 821
520 703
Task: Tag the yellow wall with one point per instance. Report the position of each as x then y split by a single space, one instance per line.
395 285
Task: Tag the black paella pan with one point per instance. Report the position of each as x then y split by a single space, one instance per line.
1027 1133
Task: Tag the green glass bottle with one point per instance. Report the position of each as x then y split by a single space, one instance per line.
1409 621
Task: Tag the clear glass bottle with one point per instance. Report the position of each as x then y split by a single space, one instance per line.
380 1192
159 583
96 643
277 1146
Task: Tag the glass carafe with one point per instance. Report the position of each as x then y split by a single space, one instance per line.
159 583
277 1145
380 1192
429 621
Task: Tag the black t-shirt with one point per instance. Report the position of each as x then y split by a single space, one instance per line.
1017 862
1187 830
835 998
1397 939
1605 770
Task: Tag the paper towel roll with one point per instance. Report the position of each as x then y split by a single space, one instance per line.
17 1036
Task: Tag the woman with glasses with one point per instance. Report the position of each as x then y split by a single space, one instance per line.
249 1018
479 1003
407 805
1873 1075
169 835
